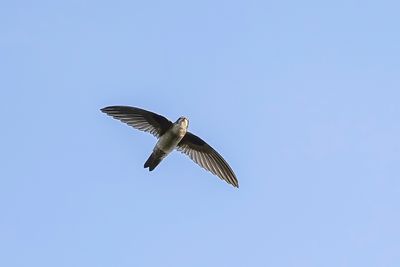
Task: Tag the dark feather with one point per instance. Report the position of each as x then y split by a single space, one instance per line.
205 156
155 158
140 119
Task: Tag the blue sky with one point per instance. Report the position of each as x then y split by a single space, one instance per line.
300 97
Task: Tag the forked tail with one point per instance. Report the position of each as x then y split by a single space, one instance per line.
155 158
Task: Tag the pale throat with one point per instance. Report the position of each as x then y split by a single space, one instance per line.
181 128
184 123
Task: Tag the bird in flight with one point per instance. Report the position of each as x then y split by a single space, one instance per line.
173 136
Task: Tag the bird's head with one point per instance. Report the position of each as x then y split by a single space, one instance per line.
183 122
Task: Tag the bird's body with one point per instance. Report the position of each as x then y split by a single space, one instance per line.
167 143
173 136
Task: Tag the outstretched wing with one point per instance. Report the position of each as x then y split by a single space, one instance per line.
140 119
205 156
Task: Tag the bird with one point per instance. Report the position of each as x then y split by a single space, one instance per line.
173 136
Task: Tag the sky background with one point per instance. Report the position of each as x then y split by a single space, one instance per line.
300 97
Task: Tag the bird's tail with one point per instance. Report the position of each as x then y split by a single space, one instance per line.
155 158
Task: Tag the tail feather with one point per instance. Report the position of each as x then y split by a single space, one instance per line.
155 158
152 162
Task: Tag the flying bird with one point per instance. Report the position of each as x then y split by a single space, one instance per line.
173 136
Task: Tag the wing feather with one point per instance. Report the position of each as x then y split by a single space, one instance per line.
207 157
140 119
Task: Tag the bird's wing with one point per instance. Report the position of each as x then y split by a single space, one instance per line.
140 119
205 156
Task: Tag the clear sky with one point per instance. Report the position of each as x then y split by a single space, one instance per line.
300 97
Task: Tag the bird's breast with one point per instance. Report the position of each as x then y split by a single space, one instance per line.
170 139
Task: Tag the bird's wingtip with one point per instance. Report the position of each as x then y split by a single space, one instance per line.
104 109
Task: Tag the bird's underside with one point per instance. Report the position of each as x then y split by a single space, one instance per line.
173 136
